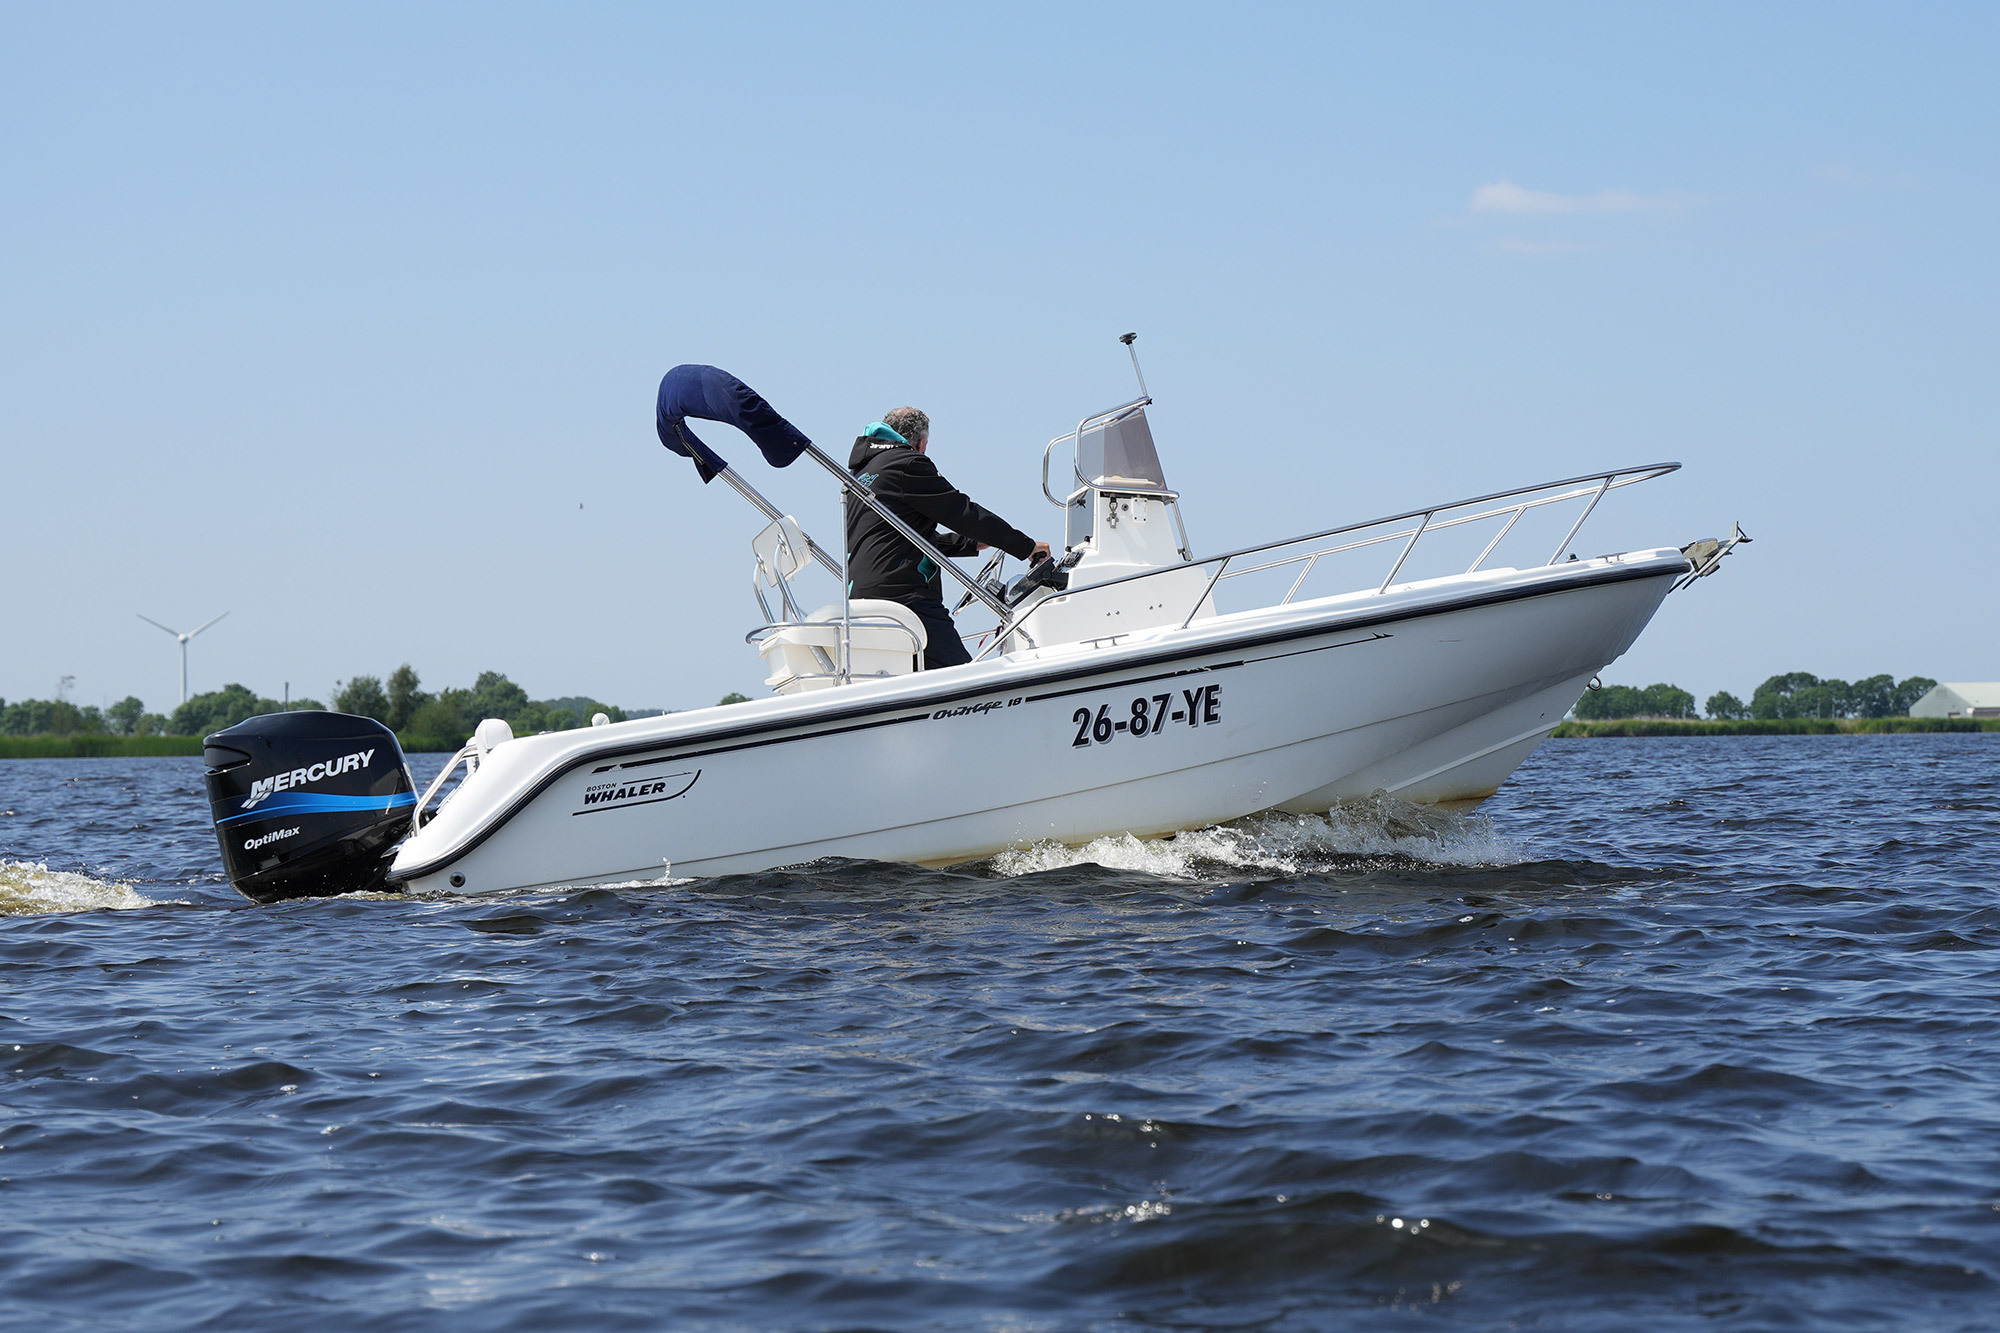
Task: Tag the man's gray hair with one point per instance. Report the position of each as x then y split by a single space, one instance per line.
908 422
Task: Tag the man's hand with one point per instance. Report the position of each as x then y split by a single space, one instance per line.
1040 553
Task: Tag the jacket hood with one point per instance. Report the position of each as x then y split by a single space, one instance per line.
873 446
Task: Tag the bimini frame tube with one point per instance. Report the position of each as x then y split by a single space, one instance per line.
770 511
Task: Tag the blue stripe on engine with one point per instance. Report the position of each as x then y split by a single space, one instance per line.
309 803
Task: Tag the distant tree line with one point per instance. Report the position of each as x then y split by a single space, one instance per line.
1801 694
128 717
1793 694
449 714
1631 701
226 707
60 717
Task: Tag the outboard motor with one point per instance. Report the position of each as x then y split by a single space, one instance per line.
308 804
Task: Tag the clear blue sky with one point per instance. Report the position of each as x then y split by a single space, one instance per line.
332 317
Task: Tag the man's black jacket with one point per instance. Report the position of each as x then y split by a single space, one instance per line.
880 561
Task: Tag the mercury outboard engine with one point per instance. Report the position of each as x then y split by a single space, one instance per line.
308 805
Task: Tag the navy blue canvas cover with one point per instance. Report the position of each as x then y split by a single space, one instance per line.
713 394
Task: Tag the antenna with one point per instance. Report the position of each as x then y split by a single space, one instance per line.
1128 339
184 646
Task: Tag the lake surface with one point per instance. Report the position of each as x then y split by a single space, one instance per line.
1676 1033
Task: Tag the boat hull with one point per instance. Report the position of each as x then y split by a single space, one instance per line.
1434 693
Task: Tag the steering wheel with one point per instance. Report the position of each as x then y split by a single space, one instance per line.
988 571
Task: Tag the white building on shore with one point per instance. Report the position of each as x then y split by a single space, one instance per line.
1960 699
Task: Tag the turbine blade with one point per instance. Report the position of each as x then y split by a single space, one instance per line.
193 632
157 625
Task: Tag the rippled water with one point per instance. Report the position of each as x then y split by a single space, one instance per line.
1690 1032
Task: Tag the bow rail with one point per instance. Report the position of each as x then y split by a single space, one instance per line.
1591 487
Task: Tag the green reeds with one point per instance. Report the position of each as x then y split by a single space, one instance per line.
1789 726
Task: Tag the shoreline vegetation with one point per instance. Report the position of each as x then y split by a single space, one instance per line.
1772 726
1791 695
96 746
424 723
100 746
398 704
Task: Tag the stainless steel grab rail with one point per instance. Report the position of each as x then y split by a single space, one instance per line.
852 622
469 758
1077 434
843 672
1595 485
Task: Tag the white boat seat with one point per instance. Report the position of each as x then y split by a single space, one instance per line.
781 546
874 650
781 552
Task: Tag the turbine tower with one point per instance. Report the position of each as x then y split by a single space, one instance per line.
184 646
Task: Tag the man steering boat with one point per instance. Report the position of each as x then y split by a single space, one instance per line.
889 458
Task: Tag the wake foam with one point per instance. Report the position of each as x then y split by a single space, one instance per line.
29 887
1379 828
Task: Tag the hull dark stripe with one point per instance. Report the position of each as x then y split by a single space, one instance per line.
679 755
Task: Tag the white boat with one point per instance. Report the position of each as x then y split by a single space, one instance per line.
1146 696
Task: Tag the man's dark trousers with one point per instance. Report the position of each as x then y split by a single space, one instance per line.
945 648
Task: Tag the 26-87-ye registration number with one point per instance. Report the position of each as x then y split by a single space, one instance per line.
1148 715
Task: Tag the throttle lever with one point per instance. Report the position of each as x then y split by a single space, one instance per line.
1045 573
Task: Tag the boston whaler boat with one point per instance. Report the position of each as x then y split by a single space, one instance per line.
1125 687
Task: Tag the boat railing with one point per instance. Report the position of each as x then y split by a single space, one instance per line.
1095 419
1408 527
467 758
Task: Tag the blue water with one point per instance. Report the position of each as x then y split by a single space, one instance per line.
1679 1033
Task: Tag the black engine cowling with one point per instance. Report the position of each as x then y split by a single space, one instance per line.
307 805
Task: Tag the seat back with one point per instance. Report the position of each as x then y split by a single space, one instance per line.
892 651
781 552
895 648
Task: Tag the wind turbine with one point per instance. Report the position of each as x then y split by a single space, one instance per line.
184 646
